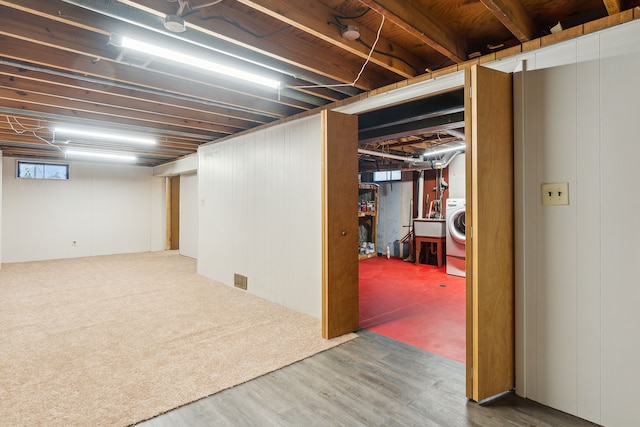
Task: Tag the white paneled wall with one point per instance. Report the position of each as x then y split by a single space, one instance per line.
394 200
586 197
260 213
1 177
577 287
189 215
620 244
457 177
105 209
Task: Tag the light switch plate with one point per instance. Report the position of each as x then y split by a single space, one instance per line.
556 193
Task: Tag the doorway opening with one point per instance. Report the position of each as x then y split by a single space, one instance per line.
489 254
173 212
406 292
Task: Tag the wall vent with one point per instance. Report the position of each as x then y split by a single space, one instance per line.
240 281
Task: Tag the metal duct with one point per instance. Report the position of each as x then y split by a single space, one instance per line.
415 164
437 164
384 155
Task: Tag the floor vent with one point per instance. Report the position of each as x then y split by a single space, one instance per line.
240 281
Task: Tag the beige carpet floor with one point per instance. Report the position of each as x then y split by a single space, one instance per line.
115 340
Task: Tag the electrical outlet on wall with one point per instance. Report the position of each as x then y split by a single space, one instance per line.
556 193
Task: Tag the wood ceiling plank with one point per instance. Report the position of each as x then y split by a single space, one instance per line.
137 106
418 23
321 92
44 56
159 151
32 153
316 55
514 16
78 110
68 102
271 52
26 26
60 35
227 117
313 17
31 146
56 35
58 11
24 139
31 138
613 6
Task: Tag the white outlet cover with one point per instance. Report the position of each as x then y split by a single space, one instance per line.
555 194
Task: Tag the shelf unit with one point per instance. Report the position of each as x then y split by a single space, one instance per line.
367 219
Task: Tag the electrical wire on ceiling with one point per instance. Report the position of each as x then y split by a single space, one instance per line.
240 27
175 22
184 4
338 22
339 17
359 40
361 70
26 129
198 9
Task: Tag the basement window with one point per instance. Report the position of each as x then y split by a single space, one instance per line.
40 170
387 176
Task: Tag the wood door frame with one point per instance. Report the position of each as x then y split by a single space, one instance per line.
490 278
490 300
173 212
339 223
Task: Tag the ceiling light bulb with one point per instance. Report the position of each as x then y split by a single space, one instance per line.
350 32
101 155
104 135
197 62
175 24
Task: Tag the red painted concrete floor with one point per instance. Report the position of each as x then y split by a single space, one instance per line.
419 305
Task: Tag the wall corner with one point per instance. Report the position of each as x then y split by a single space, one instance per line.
1 161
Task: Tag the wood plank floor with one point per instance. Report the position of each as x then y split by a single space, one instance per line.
369 381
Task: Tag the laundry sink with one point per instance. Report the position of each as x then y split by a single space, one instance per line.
423 227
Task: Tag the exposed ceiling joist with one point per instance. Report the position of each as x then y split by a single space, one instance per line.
60 62
421 25
514 16
613 6
315 18
284 52
433 124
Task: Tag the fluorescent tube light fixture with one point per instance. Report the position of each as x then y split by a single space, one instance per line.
101 155
197 62
460 147
104 135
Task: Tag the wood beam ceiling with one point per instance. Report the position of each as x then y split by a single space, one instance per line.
292 46
514 17
613 6
314 18
60 61
425 28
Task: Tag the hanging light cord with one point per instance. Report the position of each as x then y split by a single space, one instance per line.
26 129
373 47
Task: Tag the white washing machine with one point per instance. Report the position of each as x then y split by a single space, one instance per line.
456 237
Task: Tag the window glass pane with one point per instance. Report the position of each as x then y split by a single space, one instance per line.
56 172
395 175
30 170
380 176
